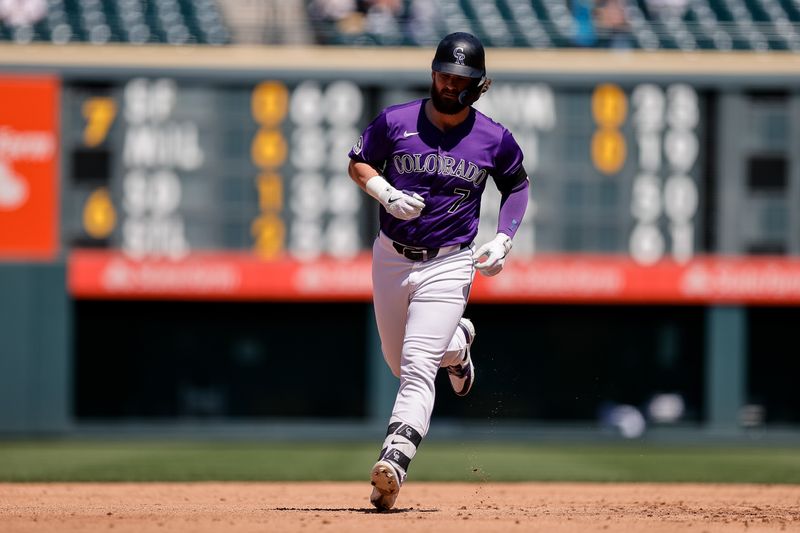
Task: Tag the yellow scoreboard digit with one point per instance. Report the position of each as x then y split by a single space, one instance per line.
99 113
269 105
609 109
99 215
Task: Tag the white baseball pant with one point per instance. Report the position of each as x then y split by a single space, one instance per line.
417 308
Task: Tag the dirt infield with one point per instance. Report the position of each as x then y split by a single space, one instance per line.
440 507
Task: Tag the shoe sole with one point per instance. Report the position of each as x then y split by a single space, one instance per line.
384 479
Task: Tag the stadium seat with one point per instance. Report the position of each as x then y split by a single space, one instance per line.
529 30
127 21
489 22
641 28
698 24
739 21
777 24
707 30
558 20
422 23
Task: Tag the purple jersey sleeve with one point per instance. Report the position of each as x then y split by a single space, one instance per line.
508 169
372 146
512 208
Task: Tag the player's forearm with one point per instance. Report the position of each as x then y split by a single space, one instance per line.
361 173
399 204
370 180
512 208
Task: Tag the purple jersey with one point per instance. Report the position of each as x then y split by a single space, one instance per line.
448 169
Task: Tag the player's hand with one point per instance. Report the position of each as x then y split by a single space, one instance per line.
400 204
403 205
495 252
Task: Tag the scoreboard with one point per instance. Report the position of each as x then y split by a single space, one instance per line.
163 168
160 167
232 184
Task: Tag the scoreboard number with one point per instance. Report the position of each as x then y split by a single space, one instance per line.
269 105
99 215
664 123
99 113
609 109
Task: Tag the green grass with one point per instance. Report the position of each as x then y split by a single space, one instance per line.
436 461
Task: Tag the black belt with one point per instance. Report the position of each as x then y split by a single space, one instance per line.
419 253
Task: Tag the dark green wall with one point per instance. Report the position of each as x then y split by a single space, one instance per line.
35 348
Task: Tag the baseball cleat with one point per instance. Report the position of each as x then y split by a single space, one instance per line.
462 375
385 485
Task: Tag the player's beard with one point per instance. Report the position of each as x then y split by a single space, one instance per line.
443 105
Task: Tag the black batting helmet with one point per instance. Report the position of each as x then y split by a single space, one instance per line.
462 54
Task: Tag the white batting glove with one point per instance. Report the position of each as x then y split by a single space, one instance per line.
402 205
495 251
397 203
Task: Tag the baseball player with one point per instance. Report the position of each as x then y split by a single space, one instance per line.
426 162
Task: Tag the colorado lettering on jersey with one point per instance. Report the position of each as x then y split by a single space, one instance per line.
439 164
